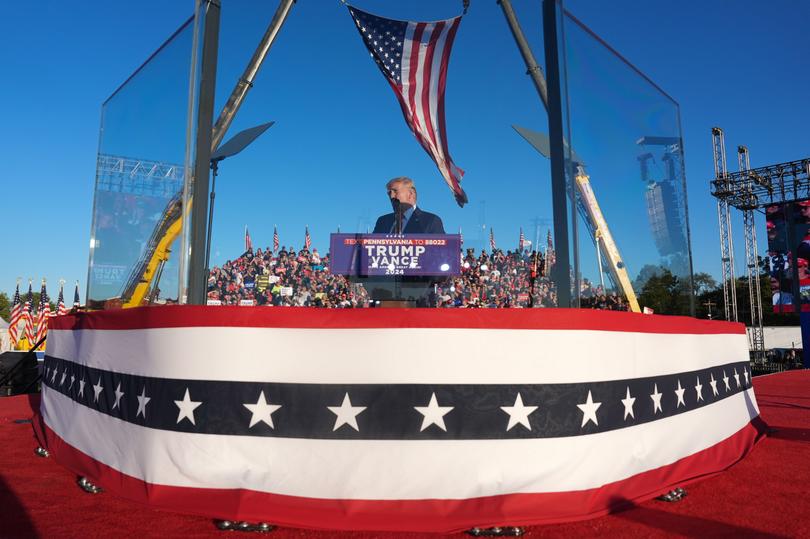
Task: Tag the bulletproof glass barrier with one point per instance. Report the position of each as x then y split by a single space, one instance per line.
340 135
144 161
625 170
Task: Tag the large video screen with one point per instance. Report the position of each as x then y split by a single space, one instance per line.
789 255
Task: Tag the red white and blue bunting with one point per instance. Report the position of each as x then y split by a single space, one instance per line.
393 419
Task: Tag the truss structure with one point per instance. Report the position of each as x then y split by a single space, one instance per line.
138 176
748 190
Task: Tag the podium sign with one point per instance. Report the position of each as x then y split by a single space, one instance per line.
364 255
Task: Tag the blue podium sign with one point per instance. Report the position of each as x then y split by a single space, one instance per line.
363 255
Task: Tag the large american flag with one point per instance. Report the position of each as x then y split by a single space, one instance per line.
413 57
16 315
43 314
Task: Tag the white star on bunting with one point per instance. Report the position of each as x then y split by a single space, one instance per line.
713 383
118 395
62 381
346 414
72 379
143 400
745 373
699 389
433 413
53 376
737 377
679 392
81 387
725 379
589 409
518 414
262 411
187 407
628 404
656 397
98 388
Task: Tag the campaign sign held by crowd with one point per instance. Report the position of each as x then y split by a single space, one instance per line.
384 254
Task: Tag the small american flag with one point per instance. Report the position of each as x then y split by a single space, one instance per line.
413 57
491 239
248 242
43 314
307 239
16 315
28 319
460 236
60 303
76 301
521 240
275 238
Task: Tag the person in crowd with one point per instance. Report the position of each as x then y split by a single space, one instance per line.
402 194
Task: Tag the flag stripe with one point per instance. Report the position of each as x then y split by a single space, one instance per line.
352 470
424 515
434 355
302 317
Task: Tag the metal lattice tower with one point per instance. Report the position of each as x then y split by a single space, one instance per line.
750 203
723 188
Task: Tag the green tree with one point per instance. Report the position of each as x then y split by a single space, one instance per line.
5 306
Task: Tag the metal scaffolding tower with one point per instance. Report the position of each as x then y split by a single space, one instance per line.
722 192
757 342
748 190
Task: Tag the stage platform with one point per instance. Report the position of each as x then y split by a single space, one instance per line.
763 495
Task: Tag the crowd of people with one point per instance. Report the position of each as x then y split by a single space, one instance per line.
500 279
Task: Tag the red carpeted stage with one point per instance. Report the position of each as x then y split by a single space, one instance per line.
765 494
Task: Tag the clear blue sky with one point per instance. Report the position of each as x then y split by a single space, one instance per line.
339 133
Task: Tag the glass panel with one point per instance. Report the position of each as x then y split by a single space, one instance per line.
142 164
340 136
626 163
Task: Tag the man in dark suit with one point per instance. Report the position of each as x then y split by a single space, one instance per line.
402 193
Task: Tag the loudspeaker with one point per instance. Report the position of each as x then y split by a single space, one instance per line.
18 371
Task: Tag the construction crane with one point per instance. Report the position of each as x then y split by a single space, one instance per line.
142 285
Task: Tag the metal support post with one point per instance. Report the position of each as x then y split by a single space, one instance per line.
560 272
757 344
724 224
205 118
